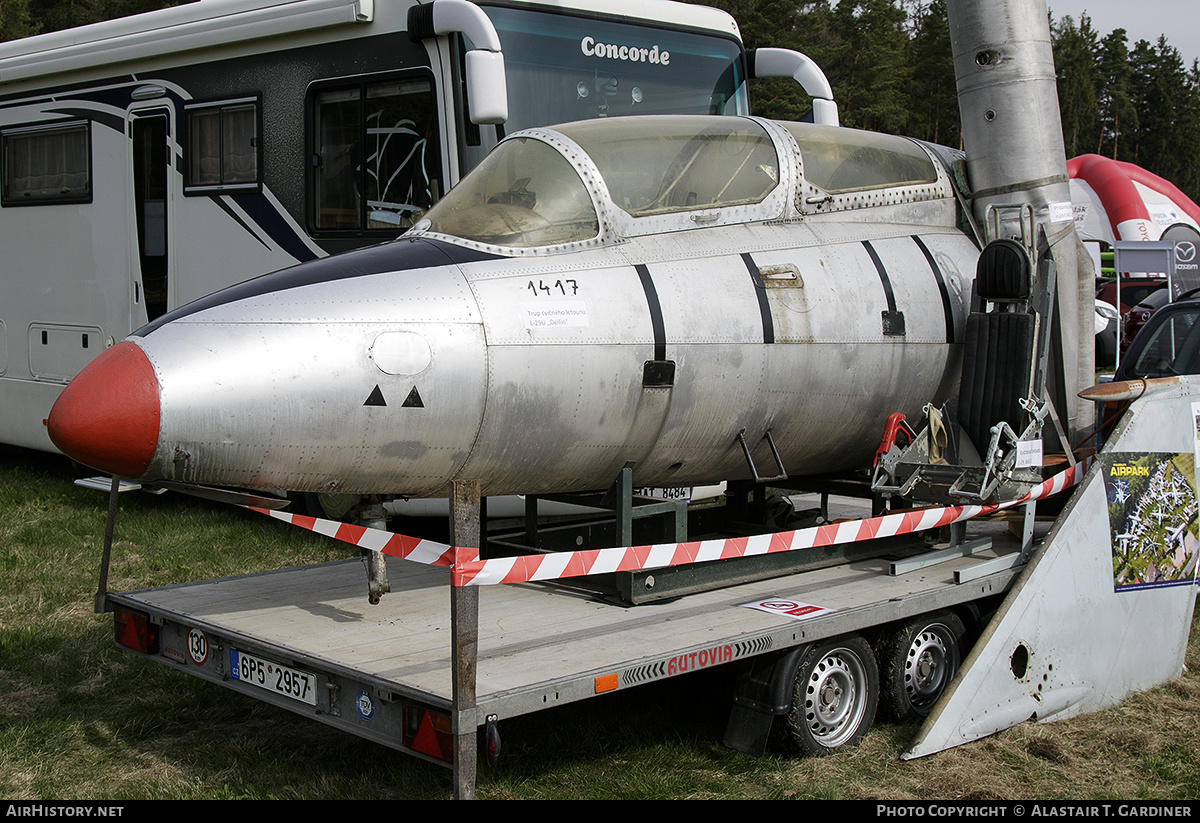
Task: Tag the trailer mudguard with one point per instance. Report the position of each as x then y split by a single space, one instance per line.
762 691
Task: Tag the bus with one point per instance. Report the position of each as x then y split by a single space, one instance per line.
151 160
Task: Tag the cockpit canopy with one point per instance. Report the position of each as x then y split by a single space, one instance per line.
581 182
524 194
678 164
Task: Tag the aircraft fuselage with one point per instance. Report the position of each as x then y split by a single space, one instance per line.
536 367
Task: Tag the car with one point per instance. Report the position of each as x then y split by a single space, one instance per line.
1167 345
1133 290
1106 322
1136 317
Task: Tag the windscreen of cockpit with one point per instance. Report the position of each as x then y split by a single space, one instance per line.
523 194
562 68
674 164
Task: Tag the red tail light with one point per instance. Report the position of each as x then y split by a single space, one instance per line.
135 631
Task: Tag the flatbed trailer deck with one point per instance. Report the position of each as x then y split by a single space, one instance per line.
539 644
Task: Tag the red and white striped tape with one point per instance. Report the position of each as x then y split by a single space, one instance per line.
377 540
469 570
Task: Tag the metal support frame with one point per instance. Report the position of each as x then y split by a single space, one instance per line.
627 511
741 439
957 548
626 508
464 624
100 606
1142 256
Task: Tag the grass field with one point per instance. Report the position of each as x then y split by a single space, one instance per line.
81 719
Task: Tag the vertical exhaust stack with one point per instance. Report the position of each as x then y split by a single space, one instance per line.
1012 134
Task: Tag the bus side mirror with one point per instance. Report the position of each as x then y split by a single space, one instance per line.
487 90
802 69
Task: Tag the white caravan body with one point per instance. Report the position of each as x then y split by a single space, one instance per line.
151 160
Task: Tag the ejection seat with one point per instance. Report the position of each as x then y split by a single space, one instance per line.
968 451
998 353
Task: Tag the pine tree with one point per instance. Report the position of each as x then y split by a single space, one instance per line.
802 25
55 15
868 67
1157 78
1117 114
933 98
16 21
1075 50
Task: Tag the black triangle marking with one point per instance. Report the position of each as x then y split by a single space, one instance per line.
413 401
376 398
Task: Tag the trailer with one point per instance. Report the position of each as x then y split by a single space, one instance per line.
832 628
824 624
401 672
151 160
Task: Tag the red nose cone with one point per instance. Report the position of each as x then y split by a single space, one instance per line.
107 417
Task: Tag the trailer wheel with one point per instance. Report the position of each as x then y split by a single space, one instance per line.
917 661
834 699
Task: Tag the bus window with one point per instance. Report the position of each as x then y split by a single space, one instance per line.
562 68
47 164
376 164
222 147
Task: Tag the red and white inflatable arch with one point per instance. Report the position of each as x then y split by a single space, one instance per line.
1114 201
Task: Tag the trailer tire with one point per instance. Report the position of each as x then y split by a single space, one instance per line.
917 661
835 696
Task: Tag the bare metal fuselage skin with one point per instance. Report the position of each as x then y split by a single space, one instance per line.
396 369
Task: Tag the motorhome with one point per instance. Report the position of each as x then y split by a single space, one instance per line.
151 160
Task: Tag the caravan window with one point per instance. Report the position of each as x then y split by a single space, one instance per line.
47 164
376 164
222 146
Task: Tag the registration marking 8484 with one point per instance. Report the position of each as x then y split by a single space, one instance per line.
266 674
